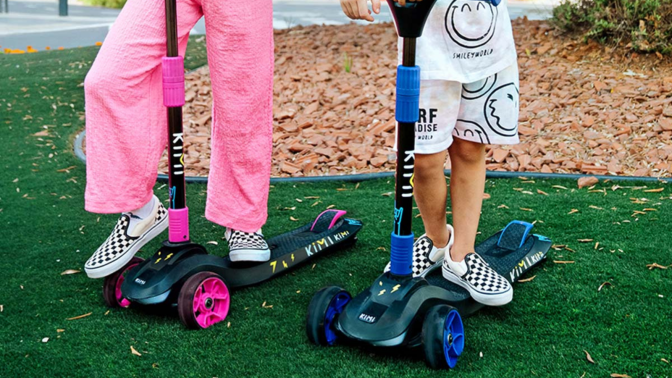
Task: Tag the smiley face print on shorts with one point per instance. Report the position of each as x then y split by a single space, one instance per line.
471 24
501 110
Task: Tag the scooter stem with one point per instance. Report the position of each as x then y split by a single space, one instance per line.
173 99
410 21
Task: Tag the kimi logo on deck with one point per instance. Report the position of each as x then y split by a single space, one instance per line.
367 318
471 24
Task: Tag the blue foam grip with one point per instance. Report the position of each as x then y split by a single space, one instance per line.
408 94
401 255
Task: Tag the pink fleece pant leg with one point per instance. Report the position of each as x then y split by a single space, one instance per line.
241 71
126 120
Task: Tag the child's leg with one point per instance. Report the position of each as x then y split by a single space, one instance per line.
430 195
240 52
126 128
125 116
467 184
488 115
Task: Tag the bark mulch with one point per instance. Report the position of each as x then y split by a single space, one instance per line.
585 108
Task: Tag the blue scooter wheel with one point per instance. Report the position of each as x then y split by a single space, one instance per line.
323 312
442 337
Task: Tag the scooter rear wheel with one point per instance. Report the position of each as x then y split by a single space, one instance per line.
442 337
203 301
112 285
323 312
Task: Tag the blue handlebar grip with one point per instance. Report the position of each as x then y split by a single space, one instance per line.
408 94
401 254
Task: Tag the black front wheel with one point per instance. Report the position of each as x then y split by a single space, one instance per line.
323 312
442 337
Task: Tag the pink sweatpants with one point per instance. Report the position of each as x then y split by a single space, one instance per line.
126 126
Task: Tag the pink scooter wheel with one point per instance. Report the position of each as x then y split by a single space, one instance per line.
203 301
112 285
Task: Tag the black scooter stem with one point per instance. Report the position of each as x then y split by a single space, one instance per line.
173 99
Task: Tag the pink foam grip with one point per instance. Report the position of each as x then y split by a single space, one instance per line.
178 225
173 81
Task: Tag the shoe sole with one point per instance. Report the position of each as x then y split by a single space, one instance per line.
254 255
486 299
114 266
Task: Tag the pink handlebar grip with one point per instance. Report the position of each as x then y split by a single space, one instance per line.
173 81
178 225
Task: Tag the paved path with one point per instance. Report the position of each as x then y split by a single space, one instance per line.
36 22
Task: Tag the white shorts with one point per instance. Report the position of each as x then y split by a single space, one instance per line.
484 112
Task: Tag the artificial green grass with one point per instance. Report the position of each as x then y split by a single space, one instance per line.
554 318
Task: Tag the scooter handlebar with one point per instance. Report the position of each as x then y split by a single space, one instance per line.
410 18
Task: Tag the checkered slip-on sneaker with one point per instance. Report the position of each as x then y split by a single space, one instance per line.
426 255
484 284
247 246
124 242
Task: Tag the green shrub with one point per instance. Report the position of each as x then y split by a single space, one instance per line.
107 3
642 25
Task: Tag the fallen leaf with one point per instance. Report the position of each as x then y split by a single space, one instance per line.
573 211
388 194
655 266
654 190
70 271
67 170
603 285
528 279
590 359
212 242
595 207
585 240
330 207
563 262
80 316
106 312
525 209
60 330
299 200
614 375
665 361
541 192
559 187
502 207
135 351
293 219
42 133
44 340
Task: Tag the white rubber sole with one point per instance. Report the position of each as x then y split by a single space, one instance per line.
500 299
106 270
250 255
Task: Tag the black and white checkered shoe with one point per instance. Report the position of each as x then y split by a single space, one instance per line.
484 284
247 246
129 235
426 255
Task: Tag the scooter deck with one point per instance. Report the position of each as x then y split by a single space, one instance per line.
511 252
160 278
391 311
